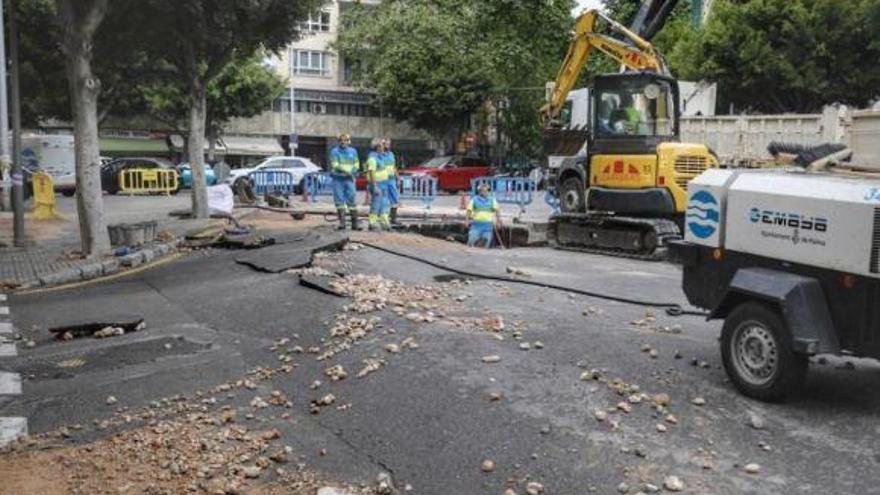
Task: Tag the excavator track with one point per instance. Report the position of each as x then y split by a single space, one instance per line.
623 237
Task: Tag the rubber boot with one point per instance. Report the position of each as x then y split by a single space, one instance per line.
341 215
394 216
355 225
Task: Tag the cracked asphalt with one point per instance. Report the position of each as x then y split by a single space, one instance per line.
425 417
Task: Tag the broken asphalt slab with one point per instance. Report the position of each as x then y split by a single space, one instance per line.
292 254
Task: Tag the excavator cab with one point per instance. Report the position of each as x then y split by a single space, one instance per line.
632 113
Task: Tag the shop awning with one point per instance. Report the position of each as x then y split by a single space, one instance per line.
180 144
132 146
252 146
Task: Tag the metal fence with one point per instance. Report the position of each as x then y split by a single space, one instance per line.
410 187
148 181
509 190
273 181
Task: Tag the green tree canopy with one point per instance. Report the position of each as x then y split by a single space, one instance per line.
787 55
434 62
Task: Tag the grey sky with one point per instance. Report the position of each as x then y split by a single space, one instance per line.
586 4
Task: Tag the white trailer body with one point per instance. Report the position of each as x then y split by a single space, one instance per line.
53 154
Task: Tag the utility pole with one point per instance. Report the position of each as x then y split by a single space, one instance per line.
291 56
4 118
17 176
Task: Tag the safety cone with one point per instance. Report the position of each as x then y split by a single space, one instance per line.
463 202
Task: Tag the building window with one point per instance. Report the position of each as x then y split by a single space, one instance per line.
310 63
317 22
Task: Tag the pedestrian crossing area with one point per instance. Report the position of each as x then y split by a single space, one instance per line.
10 383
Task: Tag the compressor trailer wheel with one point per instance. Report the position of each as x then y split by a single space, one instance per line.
757 355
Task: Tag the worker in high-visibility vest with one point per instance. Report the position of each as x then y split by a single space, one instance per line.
344 164
482 214
377 176
393 195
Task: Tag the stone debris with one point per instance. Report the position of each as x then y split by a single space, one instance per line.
525 346
671 419
698 401
534 488
384 484
673 484
107 332
493 323
259 403
662 428
624 407
517 271
752 468
392 348
600 415
111 400
662 400
495 396
653 353
756 421
488 466
336 373
623 487
509 491
538 344
370 365
494 358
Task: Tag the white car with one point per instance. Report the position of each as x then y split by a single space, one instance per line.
296 165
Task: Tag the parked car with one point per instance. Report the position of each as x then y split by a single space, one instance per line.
186 180
453 173
296 165
110 171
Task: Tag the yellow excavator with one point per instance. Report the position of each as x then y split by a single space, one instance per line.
621 180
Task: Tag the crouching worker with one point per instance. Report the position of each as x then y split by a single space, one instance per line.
482 214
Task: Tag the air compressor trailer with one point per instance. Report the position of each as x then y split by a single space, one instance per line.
790 260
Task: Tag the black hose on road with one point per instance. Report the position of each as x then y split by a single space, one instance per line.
672 309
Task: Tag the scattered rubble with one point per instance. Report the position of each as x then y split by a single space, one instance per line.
673 484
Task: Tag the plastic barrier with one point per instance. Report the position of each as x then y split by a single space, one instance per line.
508 190
148 181
552 201
44 197
419 187
272 181
318 184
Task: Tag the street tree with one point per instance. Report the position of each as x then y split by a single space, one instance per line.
198 39
80 20
247 87
433 63
787 55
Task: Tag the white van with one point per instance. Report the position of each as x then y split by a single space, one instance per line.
53 154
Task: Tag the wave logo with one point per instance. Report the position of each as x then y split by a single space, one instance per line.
703 214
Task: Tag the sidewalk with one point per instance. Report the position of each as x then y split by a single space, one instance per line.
52 253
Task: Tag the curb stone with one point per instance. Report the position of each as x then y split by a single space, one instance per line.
98 269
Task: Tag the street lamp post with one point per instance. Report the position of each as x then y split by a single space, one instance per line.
17 177
292 62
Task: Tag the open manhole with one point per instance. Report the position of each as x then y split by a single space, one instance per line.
110 358
100 328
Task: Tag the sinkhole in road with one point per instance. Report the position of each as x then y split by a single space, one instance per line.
109 358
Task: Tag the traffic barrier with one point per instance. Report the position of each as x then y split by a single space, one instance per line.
318 184
418 187
509 190
272 181
553 202
44 197
148 181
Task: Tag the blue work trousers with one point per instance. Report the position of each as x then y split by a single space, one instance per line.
344 192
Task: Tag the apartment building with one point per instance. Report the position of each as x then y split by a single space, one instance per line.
325 101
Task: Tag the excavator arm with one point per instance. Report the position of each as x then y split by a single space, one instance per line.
635 54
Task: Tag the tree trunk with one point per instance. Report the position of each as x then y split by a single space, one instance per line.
196 150
80 22
212 145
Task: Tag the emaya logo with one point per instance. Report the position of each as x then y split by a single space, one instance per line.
703 214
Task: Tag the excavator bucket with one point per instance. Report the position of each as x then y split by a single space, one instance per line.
564 142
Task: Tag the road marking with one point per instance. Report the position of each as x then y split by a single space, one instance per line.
5 327
12 428
10 383
8 350
2 297
4 310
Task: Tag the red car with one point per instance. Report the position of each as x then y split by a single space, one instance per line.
453 173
